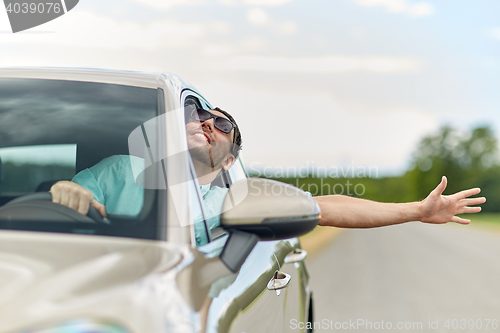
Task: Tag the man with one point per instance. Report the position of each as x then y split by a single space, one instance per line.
214 141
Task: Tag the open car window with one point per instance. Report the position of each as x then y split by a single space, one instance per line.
52 130
206 226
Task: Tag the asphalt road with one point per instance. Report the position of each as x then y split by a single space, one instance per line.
414 276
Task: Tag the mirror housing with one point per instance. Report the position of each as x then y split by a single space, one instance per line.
269 209
262 209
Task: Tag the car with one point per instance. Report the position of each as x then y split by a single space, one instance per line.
61 271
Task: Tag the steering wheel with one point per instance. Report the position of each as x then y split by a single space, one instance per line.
30 201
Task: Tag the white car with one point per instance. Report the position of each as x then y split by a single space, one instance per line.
142 273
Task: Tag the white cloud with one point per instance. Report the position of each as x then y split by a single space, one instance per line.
400 6
227 2
393 6
167 4
270 3
221 27
257 16
324 64
495 33
287 28
421 9
317 130
216 50
86 29
358 32
264 3
253 42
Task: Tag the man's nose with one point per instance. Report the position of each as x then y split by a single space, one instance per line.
209 123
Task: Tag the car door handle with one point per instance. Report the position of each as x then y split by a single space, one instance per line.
280 280
295 256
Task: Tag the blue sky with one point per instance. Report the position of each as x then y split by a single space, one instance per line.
332 82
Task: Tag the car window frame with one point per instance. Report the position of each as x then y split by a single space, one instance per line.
185 95
227 175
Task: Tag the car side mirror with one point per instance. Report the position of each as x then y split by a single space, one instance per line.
262 209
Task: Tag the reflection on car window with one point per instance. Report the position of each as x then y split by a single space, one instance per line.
51 130
201 234
34 168
237 172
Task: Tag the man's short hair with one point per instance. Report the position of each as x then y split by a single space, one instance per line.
237 142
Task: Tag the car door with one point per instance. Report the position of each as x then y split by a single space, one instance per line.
297 296
290 259
255 308
241 302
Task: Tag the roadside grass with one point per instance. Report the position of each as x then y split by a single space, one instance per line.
484 220
315 240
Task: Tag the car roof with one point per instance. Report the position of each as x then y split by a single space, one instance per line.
114 76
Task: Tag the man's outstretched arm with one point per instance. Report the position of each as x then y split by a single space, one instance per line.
347 212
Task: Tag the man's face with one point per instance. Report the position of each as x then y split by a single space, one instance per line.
209 145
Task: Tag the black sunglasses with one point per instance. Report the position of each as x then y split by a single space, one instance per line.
222 124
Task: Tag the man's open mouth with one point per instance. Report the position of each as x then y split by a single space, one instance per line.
203 136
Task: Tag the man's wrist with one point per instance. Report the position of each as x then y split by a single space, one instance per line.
418 215
412 211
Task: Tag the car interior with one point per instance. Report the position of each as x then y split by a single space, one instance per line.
50 131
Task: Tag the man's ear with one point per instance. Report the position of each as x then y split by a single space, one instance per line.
228 162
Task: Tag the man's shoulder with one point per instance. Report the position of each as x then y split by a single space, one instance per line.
120 159
216 190
215 196
117 162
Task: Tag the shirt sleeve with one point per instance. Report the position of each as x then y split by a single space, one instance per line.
87 179
112 183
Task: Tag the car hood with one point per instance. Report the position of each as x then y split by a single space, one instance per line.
50 278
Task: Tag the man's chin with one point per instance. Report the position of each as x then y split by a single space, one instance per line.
202 154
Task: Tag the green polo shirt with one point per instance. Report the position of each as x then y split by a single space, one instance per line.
113 184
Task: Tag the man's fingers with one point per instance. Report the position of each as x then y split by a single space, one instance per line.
84 203
100 208
468 210
64 200
72 195
442 186
56 194
73 202
467 193
459 220
471 201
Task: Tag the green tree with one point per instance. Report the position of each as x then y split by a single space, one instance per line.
467 158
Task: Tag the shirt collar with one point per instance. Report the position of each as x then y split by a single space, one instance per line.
204 189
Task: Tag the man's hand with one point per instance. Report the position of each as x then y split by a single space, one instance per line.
76 197
438 208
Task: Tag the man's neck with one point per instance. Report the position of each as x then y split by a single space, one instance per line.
205 173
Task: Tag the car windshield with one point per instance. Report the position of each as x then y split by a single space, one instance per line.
52 130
